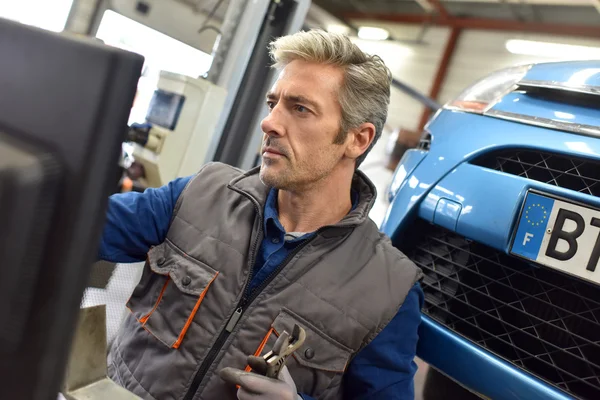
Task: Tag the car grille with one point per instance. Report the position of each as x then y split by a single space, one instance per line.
539 319
578 174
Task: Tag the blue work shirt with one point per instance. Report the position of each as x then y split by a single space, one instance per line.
275 246
384 369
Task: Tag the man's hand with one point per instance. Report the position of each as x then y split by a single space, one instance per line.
257 387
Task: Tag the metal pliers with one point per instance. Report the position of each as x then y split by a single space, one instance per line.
285 346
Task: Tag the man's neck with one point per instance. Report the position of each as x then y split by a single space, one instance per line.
325 203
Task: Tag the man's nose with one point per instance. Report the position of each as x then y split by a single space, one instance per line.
273 124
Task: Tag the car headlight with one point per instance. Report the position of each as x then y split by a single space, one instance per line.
481 96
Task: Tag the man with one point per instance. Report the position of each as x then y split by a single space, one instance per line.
234 258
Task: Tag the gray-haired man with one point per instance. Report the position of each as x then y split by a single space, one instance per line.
235 258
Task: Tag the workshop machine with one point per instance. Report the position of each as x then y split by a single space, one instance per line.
180 123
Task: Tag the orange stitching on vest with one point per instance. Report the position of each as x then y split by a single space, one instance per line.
145 318
261 347
193 313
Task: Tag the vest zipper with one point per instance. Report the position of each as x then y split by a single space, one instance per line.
245 301
212 353
234 319
241 307
256 291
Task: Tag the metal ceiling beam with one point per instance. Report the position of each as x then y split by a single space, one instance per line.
441 73
439 8
481 23
425 5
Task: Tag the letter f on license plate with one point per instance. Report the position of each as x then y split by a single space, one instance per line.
559 234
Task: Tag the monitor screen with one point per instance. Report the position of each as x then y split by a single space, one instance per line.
64 106
165 108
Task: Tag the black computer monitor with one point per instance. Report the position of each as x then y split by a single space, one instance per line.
64 105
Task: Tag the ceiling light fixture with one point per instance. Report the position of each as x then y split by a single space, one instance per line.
341 29
372 33
553 50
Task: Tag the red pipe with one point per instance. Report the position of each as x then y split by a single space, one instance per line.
439 8
482 23
442 71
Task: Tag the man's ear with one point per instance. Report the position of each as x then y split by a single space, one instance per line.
359 140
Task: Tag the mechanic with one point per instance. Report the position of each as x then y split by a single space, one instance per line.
234 258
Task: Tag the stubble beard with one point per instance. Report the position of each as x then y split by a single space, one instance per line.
272 178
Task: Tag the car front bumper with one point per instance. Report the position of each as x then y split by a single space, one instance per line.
441 186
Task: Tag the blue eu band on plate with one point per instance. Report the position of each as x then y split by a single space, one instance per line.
559 234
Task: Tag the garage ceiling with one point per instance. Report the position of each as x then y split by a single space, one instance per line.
572 12
216 9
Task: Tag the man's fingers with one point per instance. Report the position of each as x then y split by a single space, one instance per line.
250 382
231 375
254 387
243 394
258 364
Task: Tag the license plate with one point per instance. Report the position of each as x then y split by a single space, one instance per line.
560 235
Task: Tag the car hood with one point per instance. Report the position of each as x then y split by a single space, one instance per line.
570 74
563 96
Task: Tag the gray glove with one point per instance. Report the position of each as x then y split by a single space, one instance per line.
258 387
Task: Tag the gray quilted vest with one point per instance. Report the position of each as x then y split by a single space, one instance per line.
190 315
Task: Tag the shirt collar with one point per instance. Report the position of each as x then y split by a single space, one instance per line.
272 226
249 185
271 218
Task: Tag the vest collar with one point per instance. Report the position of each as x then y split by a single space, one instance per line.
250 185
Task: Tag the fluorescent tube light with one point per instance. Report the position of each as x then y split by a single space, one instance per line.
372 33
341 29
553 50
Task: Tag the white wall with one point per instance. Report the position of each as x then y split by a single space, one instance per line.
46 14
171 17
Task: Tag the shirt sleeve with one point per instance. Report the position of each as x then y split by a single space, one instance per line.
385 368
137 221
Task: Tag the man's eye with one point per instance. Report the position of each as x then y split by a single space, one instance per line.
270 104
301 109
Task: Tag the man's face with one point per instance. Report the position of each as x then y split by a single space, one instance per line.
302 125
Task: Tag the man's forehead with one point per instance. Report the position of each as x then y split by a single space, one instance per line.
302 81
303 74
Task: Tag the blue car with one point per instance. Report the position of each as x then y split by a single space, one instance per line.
499 206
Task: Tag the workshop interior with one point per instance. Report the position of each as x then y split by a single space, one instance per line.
487 172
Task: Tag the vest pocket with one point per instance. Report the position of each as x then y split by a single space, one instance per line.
319 363
170 293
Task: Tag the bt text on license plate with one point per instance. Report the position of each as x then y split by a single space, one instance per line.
560 235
